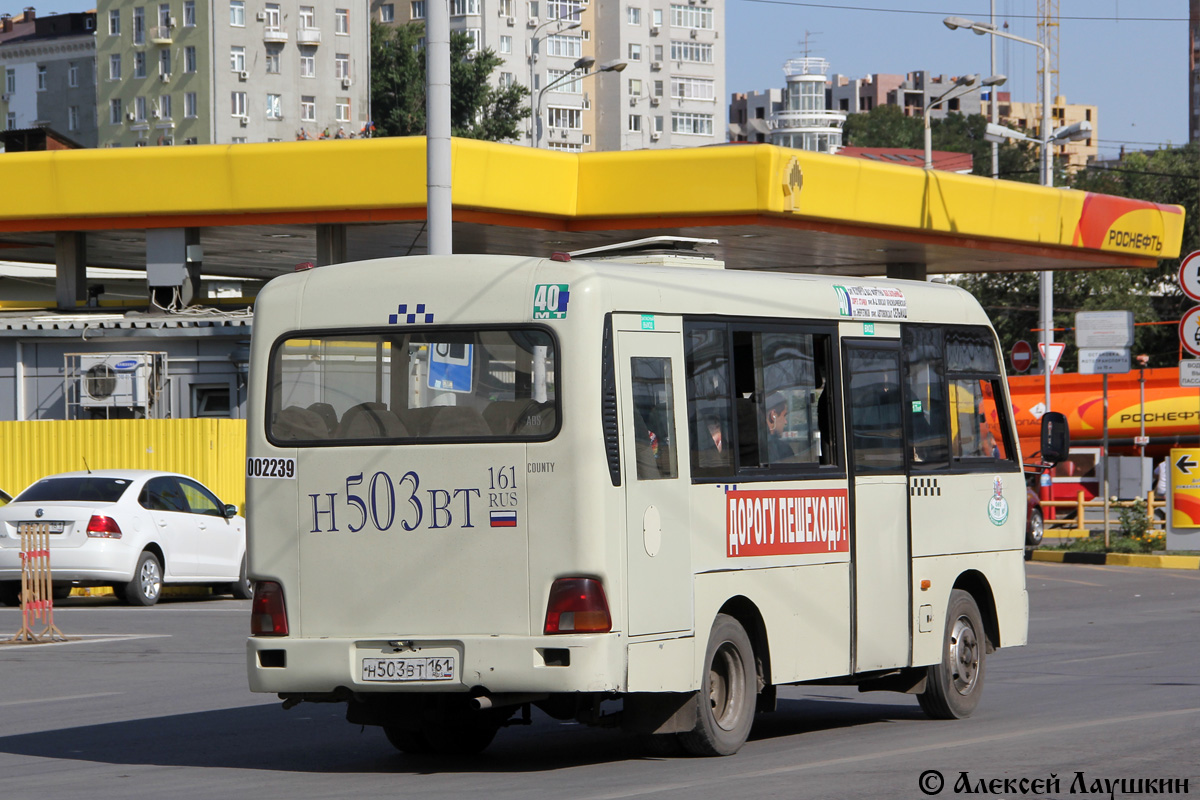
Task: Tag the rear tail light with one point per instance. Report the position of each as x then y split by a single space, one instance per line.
268 616
103 528
577 605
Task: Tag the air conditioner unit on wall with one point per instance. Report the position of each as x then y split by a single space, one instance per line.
115 380
345 83
243 75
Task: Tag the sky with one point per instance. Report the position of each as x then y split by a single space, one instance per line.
1128 57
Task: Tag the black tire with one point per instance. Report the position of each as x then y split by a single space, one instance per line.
61 591
407 740
146 586
10 593
954 685
727 696
1036 529
455 733
242 588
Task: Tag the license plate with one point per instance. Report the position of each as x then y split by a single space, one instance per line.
55 527
411 668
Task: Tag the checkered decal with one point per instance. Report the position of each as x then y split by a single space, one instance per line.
924 487
409 317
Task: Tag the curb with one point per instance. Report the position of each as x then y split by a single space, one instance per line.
167 591
1117 559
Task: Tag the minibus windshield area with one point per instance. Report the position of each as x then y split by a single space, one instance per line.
400 386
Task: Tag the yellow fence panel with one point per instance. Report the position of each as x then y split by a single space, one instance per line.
213 451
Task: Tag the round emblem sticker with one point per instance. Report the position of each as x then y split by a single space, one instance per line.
997 506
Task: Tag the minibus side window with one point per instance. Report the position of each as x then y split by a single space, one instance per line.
925 381
979 425
709 418
654 416
979 428
875 420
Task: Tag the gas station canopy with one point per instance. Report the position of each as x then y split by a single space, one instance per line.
262 208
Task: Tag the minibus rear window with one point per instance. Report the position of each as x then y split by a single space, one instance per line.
448 384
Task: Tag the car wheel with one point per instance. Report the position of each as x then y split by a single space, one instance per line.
954 685
242 588
726 700
146 586
1037 529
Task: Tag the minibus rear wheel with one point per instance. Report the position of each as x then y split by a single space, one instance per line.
726 700
954 685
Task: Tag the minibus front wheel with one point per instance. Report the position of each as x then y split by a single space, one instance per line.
955 684
726 700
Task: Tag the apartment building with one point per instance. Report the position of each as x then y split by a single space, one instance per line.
47 65
603 75
1028 116
230 71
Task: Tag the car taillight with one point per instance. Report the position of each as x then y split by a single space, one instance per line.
103 528
268 616
577 605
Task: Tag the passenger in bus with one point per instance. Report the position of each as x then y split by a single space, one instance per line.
713 449
776 417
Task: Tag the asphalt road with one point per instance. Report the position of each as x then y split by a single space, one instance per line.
153 704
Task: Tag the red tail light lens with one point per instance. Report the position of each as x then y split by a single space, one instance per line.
577 605
268 615
103 528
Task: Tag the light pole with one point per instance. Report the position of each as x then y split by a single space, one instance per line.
961 87
585 63
533 54
1046 278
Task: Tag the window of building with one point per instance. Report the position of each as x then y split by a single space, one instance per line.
237 13
656 17
506 8
114 67
688 123
658 88
635 87
341 66
559 117
238 140
237 58
691 17
308 108
567 46
341 108
114 111
41 77
273 17
114 22
563 9
574 86
139 65
164 107
139 109
72 118
633 15
695 52
211 401
11 122
189 13
505 44
565 147
10 79
692 88
506 80
387 13
189 59
190 106
164 15
274 106
237 104
341 21
417 9
476 37
72 75
658 124
462 8
139 26
308 18
164 61
191 140
635 123
635 51
308 64
658 51
272 58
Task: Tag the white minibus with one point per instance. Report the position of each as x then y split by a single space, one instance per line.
626 488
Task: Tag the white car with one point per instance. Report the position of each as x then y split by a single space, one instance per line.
130 529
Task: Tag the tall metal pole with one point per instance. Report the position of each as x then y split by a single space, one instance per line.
994 104
1046 279
439 202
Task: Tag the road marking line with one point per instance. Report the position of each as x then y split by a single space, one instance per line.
92 638
58 699
857 760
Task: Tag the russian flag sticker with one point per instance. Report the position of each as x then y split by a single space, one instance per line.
504 519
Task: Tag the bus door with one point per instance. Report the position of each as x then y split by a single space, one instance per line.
650 375
879 539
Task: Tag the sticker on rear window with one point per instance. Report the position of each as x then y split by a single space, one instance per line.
271 468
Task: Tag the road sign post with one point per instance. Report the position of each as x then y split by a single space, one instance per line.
1021 356
1183 499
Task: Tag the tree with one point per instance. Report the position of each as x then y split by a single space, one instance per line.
889 126
478 110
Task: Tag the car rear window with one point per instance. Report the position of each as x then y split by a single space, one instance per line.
74 490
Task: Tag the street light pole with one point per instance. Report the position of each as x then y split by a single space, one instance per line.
584 63
961 86
1046 278
533 42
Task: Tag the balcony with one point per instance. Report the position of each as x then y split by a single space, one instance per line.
807 120
160 34
308 36
274 34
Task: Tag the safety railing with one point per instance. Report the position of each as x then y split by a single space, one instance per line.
37 587
1078 524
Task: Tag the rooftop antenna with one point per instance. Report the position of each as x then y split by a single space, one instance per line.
805 48
85 465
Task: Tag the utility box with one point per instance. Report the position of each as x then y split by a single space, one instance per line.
1129 477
